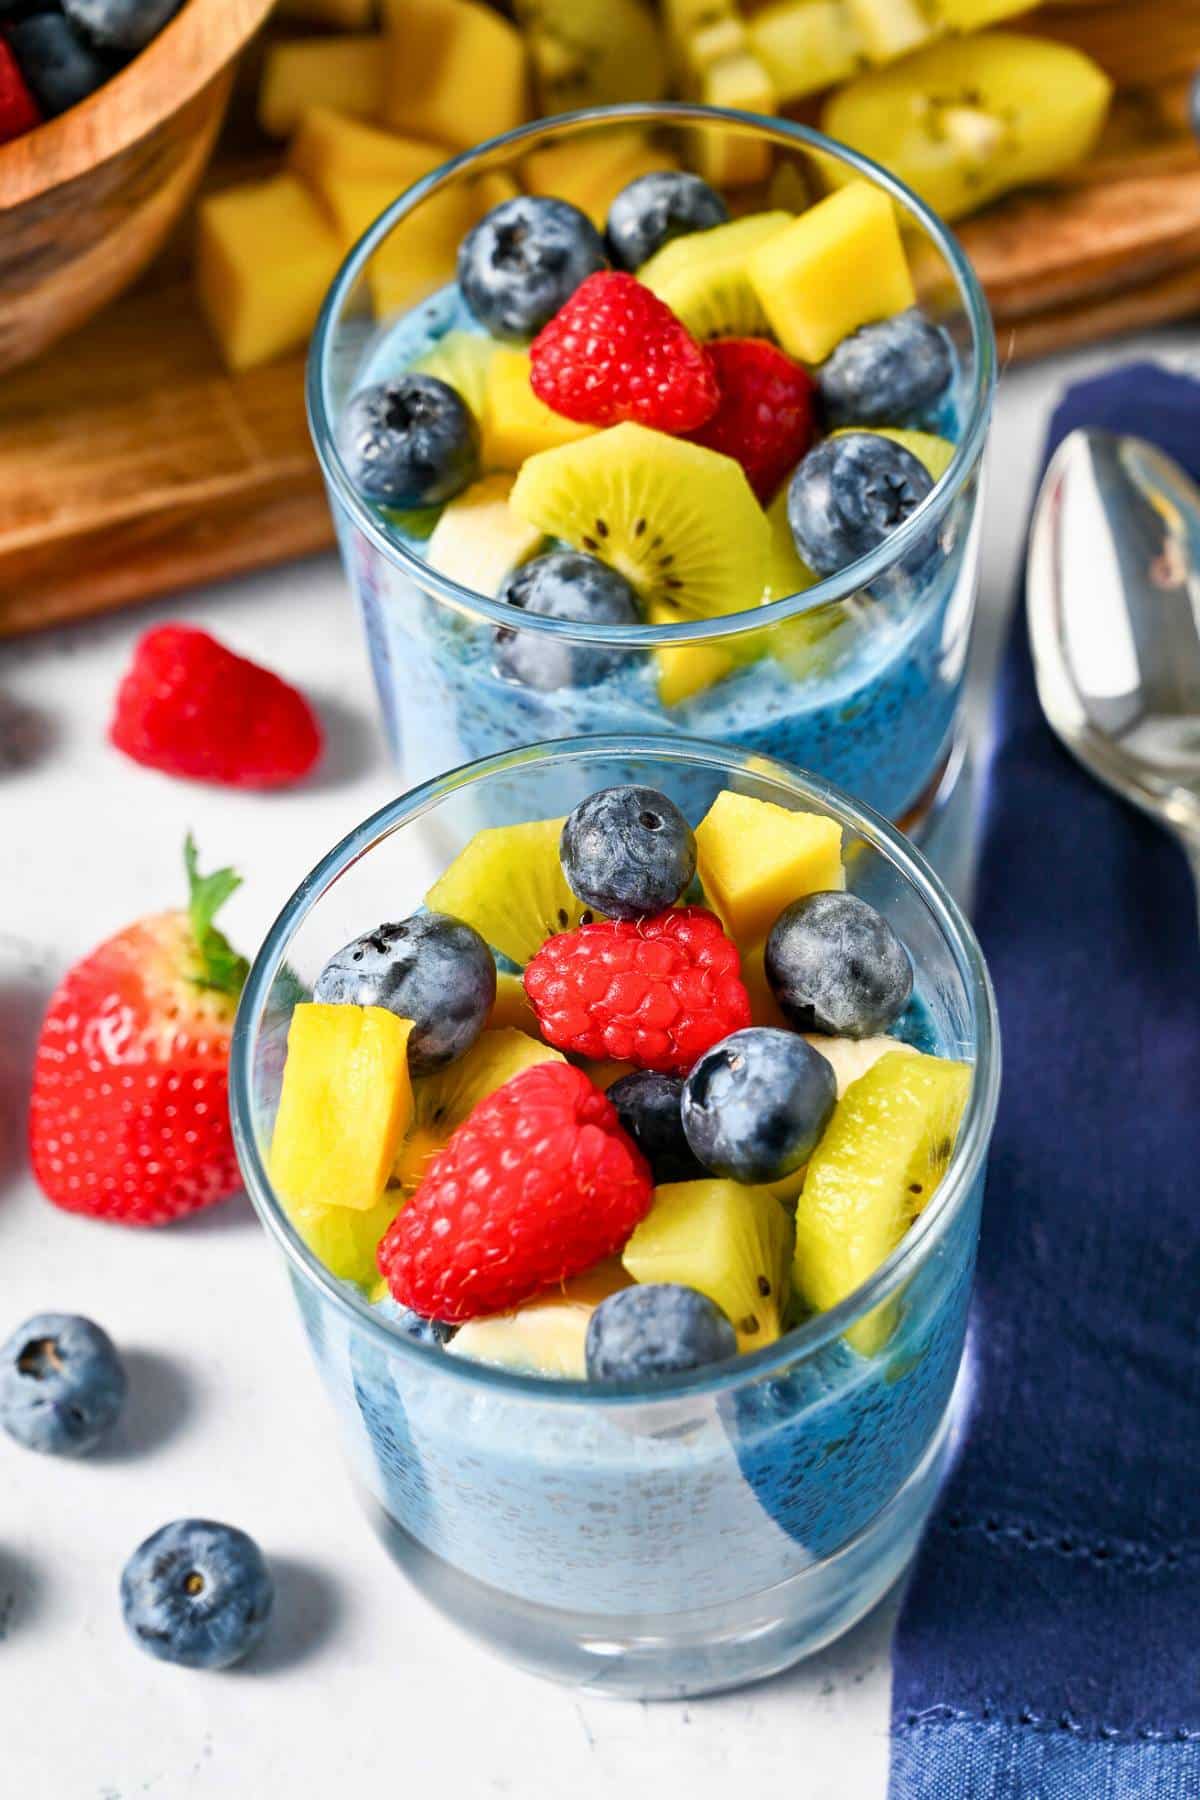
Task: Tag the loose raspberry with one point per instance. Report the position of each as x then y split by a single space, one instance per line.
614 352
539 1183
766 416
19 110
189 706
655 992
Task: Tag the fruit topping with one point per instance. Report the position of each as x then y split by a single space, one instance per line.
884 373
344 1238
409 442
628 851
656 208
62 1384
123 26
648 1106
937 453
462 359
547 1335
755 1105
849 494
444 1101
516 424
591 170
703 278
733 1243
433 1333
345 1104
197 1593
765 417
19 111
678 521
569 585
614 352
662 1328
129 1115
536 1186
850 1058
59 66
508 883
754 857
835 965
523 261
432 970
478 539
656 993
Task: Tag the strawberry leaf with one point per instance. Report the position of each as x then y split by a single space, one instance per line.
219 965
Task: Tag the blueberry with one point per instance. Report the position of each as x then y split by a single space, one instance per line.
848 494
60 68
887 373
660 1328
431 1332
125 26
523 260
409 442
648 1107
756 1105
432 969
656 208
62 1384
835 965
564 584
197 1593
627 851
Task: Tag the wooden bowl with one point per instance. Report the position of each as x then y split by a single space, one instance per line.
87 199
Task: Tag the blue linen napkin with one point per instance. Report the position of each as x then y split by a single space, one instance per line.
1049 1644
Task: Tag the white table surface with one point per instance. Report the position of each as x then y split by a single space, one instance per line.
360 1679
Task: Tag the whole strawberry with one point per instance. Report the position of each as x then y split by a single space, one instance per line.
129 1117
617 352
539 1183
189 706
654 992
766 417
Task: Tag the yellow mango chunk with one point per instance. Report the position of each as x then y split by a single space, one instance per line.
419 255
723 156
591 171
516 424
685 670
838 266
754 858
889 28
331 145
345 1103
352 15
479 539
806 45
457 71
346 73
258 305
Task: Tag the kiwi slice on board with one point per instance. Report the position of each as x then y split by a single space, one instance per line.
443 1100
702 276
733 1243
593 52
678 521
508 883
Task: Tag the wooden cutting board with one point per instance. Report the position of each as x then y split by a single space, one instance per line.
131 465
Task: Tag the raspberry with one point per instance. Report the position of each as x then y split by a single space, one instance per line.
614 352
766 416
18 109
536 1185
655 992
189 706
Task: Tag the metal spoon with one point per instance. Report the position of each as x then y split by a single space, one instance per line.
1113 593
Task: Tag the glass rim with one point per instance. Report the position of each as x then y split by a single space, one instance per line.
802 1341
831 588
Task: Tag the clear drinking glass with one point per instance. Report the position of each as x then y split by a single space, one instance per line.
864 688
701 1532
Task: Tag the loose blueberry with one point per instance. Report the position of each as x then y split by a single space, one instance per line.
431 1332
849 494
125 26
432 969
756 1105
409 442
564 584
627 851
648 1106
656 208
60 68
523 260
659 1328
835 965
62 1384
887 373
197 1593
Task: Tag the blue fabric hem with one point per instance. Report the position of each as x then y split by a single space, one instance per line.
961 1758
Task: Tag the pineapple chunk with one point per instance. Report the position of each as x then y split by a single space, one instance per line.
345 1103
806 45
442 1101
754 858
724 156
838 266
479 540
889 28
516 424
548 1335
731 1242
346 73
456 72
461 360
331 145
591 171
351 15
260 307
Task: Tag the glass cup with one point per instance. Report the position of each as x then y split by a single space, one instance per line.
858 678
671 1538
